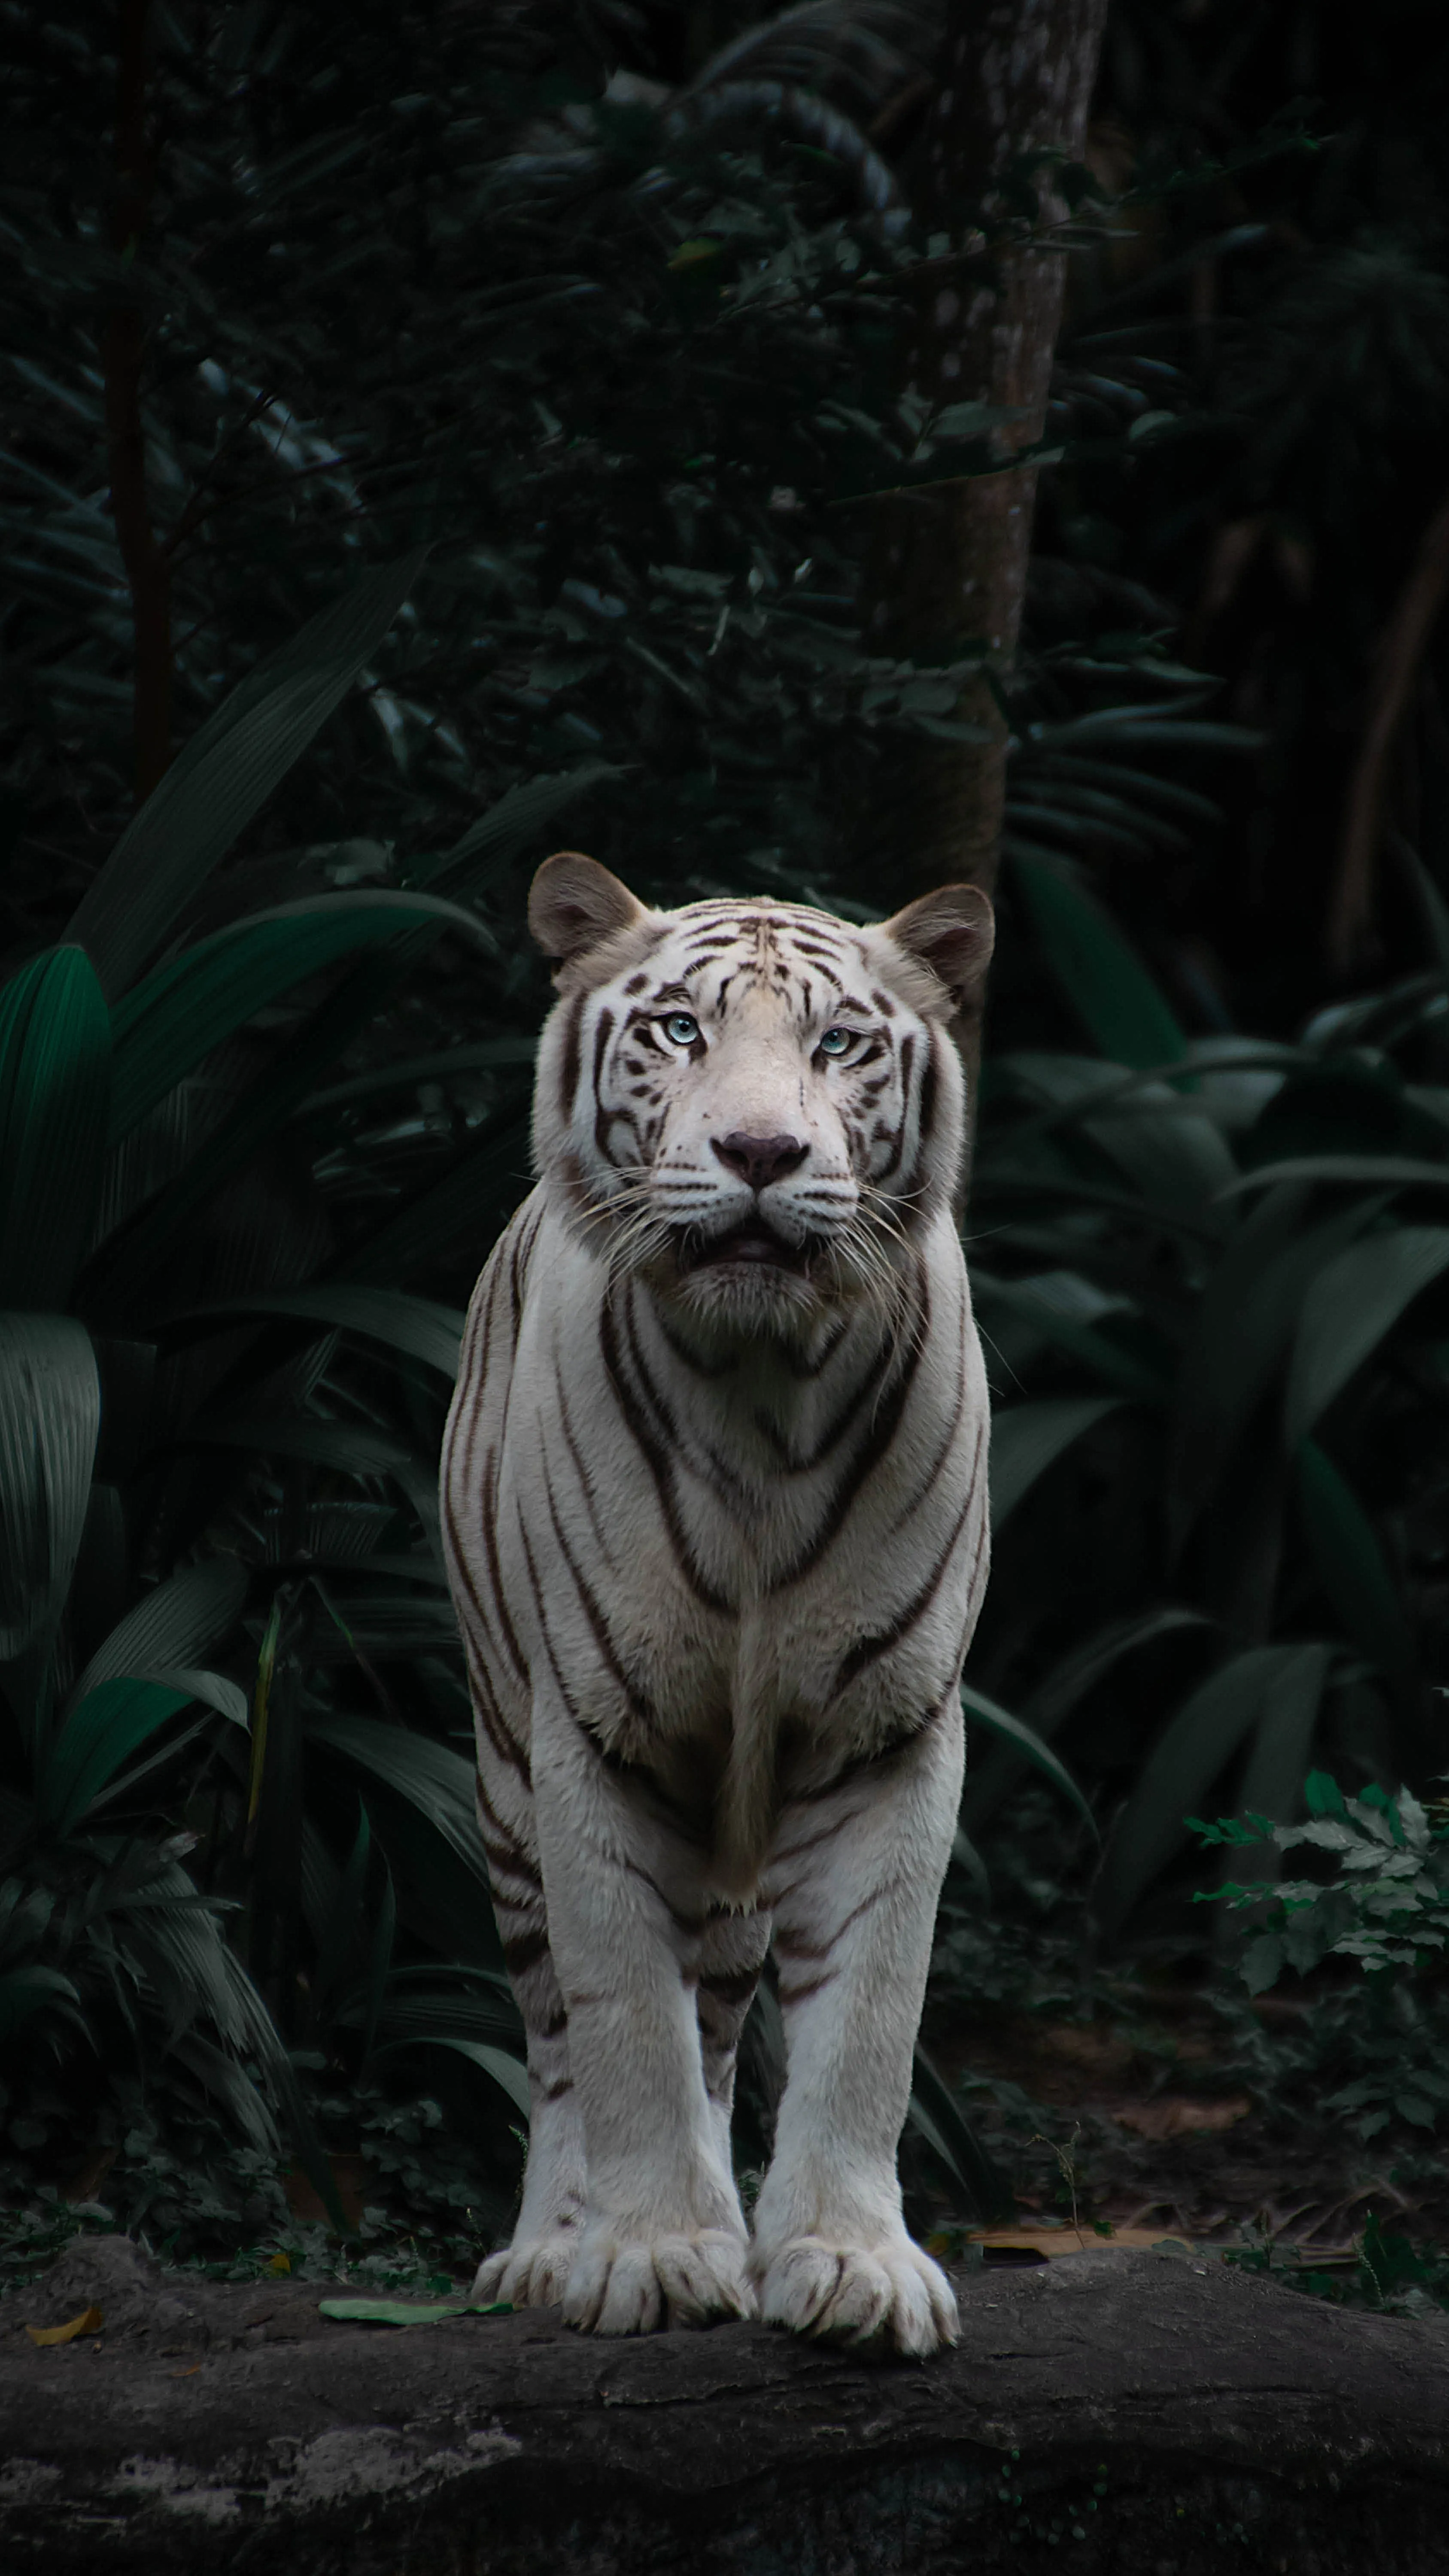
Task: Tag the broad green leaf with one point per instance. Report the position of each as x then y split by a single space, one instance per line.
505 2071
1101 977
50 1416
937 2116
1014 1731
101 1733
430 1776
417 1325
132 1272
176 1015
193 1610
226 773
55 1084
28 1990
1350 1563
1192 1749
407 2312
1026 1439
1350 1307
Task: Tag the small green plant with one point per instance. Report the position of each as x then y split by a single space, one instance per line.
1387 1904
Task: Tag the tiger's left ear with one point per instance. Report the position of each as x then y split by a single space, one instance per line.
952 932
575 905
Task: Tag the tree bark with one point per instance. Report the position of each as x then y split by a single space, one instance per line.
946 567
1107 2412
123 359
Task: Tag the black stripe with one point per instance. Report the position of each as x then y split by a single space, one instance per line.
887 1424
568 1081
638 1706
603 1031
485 1703
835 1430
868 1650
580 1467
734 1989
929 1082
908 1058
523 1950
656 1458
495 1577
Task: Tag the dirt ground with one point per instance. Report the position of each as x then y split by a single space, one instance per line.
1130 2103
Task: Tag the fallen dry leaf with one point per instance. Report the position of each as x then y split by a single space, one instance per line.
1178 2115
1050 2243
90 2321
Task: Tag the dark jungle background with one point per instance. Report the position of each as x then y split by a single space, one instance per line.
432 434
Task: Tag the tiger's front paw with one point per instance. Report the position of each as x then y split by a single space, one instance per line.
622 2284
532 2272
891 2294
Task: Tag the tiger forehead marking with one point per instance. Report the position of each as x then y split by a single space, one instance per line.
757 1105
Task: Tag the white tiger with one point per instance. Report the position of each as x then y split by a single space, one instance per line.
714 1496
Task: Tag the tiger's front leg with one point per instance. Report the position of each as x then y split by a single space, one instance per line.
664 2238
854 1880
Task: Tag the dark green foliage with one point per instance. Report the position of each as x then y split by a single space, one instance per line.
506 444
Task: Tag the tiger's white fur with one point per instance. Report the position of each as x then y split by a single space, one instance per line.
714 1496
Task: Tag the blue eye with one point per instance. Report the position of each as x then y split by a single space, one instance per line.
681 1028
836 1042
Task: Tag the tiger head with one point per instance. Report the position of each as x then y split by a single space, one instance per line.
751 1103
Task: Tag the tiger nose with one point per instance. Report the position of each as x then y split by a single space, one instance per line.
760 1159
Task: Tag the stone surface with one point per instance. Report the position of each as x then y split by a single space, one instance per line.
1125 2412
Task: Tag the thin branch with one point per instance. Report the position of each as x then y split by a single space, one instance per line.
1401 650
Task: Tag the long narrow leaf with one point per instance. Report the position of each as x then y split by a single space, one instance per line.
226 773
1352 1305
181 1010
1026 1439
937 2116
505 2071
1352 1568
90 1747
1014 1731
1192 1749
193 1610
55 1083
429 1775
50 1417
419 1326
1104 982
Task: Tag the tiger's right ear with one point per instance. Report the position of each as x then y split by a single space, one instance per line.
575 905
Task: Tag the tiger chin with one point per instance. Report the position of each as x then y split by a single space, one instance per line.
714 1505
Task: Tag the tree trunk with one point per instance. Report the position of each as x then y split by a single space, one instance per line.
1109 2412
123 355
946 567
